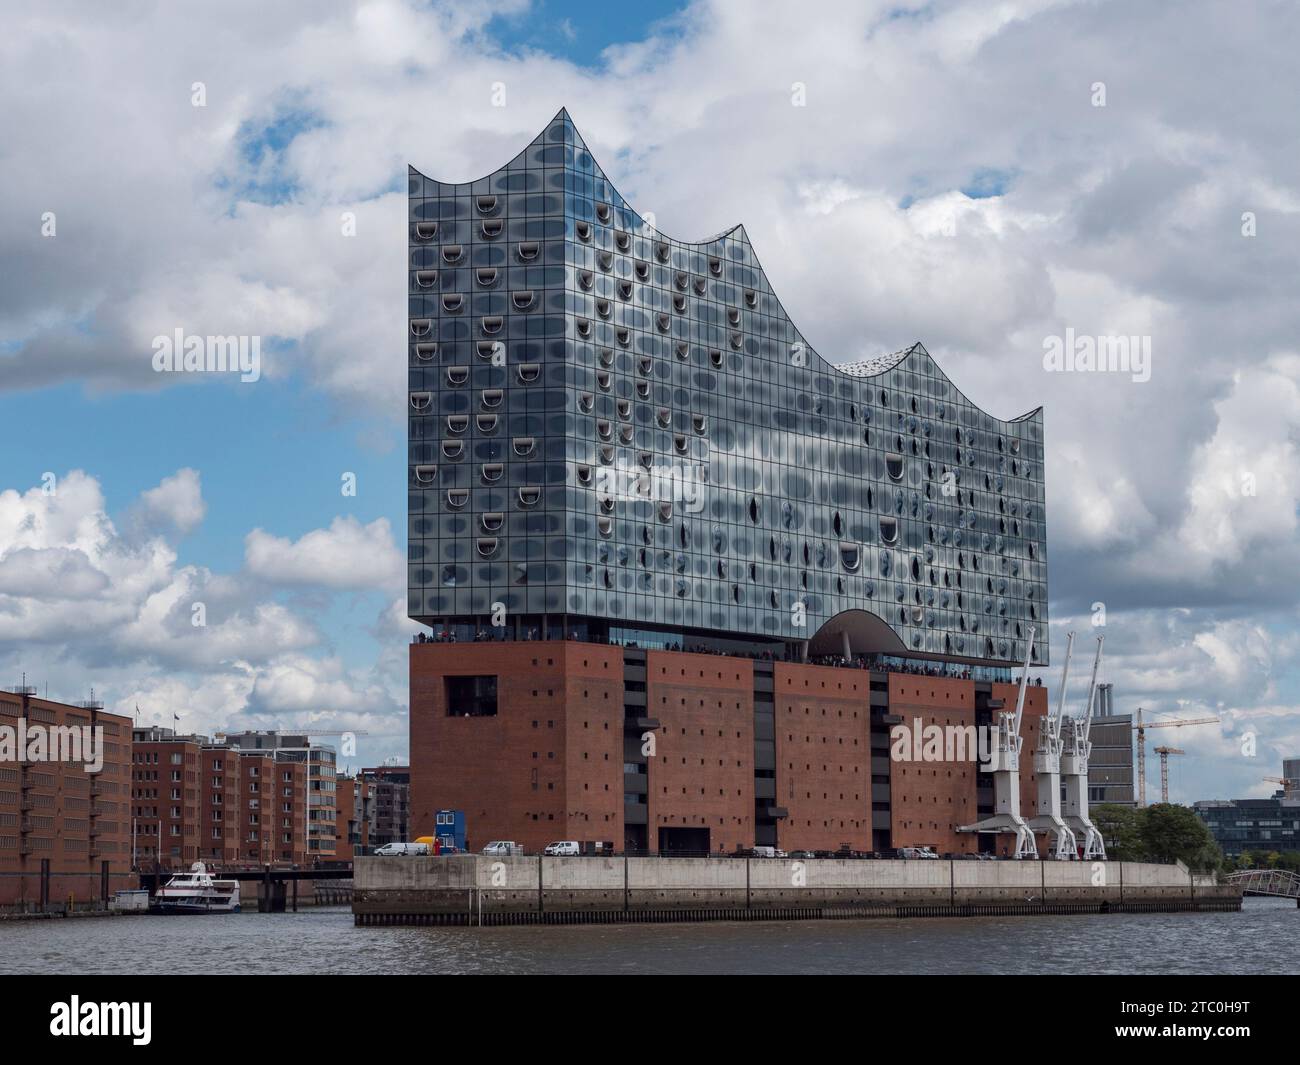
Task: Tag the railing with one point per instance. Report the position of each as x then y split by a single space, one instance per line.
1276 882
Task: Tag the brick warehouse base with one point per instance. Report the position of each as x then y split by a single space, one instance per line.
667 751
470 890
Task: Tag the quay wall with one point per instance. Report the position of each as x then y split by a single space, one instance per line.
473 889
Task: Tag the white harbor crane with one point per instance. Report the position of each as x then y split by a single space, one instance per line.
1074 772
1006 777
1062 844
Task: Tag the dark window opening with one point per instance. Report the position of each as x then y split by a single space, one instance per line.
471 696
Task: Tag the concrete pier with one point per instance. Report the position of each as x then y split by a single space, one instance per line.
472 889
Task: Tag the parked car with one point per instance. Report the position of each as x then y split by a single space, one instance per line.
503 848
565 848
764 852
917 852
402 850
802 855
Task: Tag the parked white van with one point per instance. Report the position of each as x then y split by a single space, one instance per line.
503 848
917 852
565 848
406 850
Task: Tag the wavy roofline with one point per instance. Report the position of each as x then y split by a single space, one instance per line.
839 368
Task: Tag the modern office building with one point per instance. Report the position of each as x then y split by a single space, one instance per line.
621 448
389 811
65 832
1257 825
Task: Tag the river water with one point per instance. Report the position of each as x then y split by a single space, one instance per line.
1263 938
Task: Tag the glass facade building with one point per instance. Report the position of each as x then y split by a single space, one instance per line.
610 429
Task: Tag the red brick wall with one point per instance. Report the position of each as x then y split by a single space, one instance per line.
548 766
823 756
702 774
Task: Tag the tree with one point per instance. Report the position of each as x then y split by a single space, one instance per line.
1120 827
1172 833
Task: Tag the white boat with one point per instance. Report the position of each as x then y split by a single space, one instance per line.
196 892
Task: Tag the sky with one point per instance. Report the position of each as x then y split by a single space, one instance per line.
981 177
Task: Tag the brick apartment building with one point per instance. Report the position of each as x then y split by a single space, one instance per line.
354 815
389 816
254 798
64 833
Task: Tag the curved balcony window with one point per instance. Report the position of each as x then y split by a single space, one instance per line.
486 276
751 297
528 250
583 229
529 495
606 356
700 423
665 511
584 327
642 270
607 504
457 375
529 372
622 240
606 454
452 253
457 497
894 466
682 280
491 324
457 423
491 472
850 557
715 357
605 260
603 308
664 322
643 389
663 252
624 408
701 286
426 473
604 429
426 230
889 530
683 351
523 446
603 213
645 364
487 348
452 302
665 417
586 279
604 526
426 352
491 228
485 204
426 278
420 401
625 290
733 315
420 326
584 474
715 266
680 444
487 423
491 397
492 521
585 401
625 433
453 449
755 513
487 545
603 380
679 304
523 300
623 336
737 341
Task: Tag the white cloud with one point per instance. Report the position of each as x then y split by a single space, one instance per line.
346 555
177 501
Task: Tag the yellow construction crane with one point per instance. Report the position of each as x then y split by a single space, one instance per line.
1164 753
1290 785
1141 728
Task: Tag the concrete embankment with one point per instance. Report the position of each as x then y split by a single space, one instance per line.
472 889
